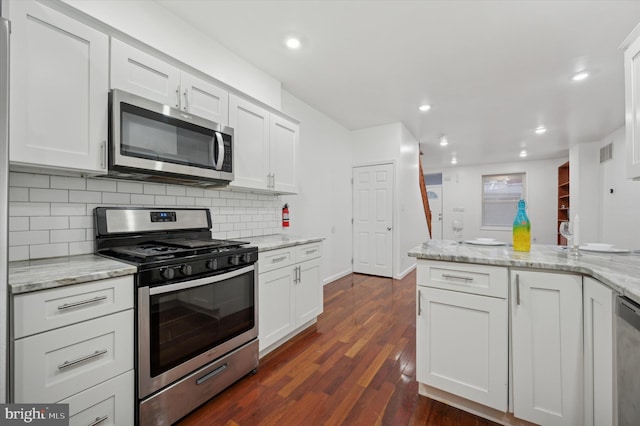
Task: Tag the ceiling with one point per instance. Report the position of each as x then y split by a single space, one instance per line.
491 70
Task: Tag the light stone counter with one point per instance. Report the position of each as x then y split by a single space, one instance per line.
620 271
33 275
278 241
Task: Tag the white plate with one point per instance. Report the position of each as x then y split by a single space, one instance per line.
599 246
602 249
485 242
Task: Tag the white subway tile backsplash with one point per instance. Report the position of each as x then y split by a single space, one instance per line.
130 187
165 200
25 238
28 180
101 185
67 235
85 197
48 250
80 247
116 198
48 222
65 182
18 194
177 191
53 215
29 209
68 209
154 189
48 195
142 200
18 224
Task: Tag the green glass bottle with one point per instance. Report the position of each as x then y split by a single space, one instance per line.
521 229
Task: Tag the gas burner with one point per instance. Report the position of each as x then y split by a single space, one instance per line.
146 251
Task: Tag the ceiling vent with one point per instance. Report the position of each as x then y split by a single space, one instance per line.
606 153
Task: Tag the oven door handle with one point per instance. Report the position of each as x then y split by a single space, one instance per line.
199 282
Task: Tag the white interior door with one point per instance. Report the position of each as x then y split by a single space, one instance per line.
373 220
434 194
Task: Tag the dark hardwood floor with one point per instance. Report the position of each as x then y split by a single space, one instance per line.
356 366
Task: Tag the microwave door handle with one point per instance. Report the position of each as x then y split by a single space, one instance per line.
218 163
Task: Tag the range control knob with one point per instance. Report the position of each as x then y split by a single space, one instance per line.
167 273
212 264
186 269
235 260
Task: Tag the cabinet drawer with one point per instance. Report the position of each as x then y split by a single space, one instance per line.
59 363
110 403
273 259
467 278
308 251
45 310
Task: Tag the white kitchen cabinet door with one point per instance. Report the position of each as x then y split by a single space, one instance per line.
308 292
632 107
204 99
284 142
276 315
142 74
547 347
250 145
59 90
462 345
598 353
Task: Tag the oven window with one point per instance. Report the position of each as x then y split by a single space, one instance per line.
186 323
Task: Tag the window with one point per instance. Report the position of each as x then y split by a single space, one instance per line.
500 195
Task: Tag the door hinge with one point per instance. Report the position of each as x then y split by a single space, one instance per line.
352 221
351 181
352 260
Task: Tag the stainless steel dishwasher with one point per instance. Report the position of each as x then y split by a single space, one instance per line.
628 357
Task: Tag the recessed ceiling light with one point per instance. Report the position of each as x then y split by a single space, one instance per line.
540 130
424 107
444 141
579 76
454 160
523 153
293 43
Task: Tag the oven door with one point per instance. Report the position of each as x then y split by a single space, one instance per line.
151 137
185 325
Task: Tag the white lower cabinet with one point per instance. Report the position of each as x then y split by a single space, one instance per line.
547 347
74 344
290 292
462 345
598 353
462 336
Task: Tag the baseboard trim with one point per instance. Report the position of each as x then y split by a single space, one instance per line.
405 273
335 277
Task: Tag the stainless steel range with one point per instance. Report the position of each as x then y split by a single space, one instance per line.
196 303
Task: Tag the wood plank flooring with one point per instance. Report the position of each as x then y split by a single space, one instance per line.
356 366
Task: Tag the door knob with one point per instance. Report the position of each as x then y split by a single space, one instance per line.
388 228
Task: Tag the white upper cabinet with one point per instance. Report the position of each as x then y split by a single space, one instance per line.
547 347
140 73
59 90
265 148
632 104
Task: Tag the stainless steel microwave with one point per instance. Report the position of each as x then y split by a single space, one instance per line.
152 141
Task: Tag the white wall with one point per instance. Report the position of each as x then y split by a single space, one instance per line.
584 182
462 188
323 206
155 26
393 143
618 210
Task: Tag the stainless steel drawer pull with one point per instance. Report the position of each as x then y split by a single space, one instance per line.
419 302
68 364
278 259
456 277
82 302
311 251
212 374
98 420
517 289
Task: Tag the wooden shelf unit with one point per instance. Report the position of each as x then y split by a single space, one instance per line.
563 199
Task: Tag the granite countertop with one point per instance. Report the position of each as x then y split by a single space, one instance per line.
278 241
33 275
620 271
